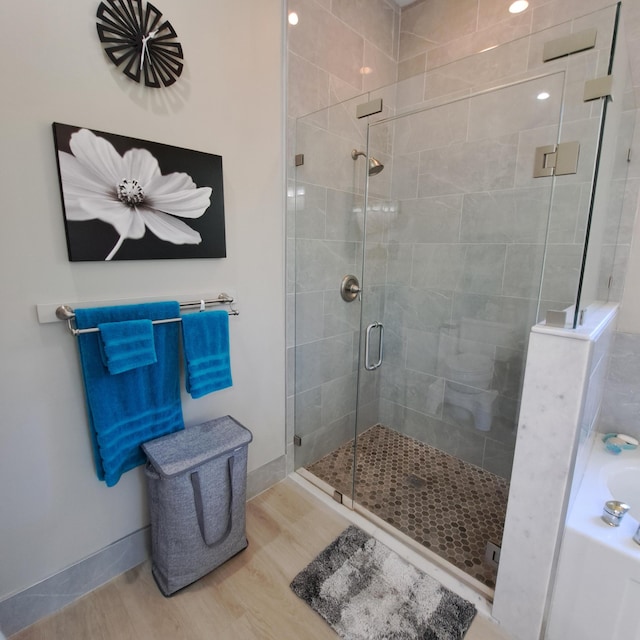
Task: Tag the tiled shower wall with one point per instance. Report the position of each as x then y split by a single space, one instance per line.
621 406
328 52
327 49
469 233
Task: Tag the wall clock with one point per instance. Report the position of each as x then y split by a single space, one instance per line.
137 39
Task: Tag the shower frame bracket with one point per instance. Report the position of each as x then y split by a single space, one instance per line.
556 318
369 108
492 554
566 45
598 88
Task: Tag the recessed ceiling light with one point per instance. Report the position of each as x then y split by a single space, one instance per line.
365 71
543 95
293 18
518 6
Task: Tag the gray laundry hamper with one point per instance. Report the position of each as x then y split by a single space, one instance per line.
197 482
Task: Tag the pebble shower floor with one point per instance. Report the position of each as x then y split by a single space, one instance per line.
445 504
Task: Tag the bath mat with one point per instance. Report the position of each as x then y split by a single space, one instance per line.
366 591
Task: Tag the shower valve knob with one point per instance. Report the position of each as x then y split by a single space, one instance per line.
349 288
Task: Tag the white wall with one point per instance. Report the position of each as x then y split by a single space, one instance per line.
629 321
53 510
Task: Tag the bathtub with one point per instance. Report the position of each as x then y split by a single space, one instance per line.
597 590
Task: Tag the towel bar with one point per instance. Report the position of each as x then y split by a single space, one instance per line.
65 312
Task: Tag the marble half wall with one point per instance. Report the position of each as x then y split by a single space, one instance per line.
563 387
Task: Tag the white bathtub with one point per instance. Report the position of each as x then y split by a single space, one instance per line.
597 590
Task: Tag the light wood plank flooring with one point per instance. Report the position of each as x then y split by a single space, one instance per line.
248 597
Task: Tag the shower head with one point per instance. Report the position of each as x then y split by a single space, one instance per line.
375 166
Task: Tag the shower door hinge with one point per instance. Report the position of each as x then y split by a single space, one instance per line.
556 160
299 159
297 441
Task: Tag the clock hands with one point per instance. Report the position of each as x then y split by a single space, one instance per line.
145 50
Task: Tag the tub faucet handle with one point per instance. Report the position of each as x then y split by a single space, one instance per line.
613 512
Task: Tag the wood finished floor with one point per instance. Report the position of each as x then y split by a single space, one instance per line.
246 598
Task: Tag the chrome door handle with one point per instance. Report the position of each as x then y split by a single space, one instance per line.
367 343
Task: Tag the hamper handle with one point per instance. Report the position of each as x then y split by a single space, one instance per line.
197 496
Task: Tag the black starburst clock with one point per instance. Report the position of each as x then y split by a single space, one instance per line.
137 40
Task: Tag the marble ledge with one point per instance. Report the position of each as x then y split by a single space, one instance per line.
598 317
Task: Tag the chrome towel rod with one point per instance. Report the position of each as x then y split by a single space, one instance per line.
65 312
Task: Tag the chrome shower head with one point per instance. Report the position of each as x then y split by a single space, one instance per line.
375 166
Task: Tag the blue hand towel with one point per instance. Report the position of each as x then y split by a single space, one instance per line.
127 345
135 406
205 338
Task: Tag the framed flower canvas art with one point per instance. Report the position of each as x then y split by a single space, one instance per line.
130 199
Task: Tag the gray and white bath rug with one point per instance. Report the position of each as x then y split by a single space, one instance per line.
367 592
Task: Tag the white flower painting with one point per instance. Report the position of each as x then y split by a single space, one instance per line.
126 199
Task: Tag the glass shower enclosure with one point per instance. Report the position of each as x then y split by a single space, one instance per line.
430 233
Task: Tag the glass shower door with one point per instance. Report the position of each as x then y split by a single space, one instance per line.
454 248
326 239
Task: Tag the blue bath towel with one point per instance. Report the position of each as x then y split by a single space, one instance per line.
127 345
135 406
205 338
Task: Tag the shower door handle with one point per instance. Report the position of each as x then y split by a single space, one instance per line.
367 343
